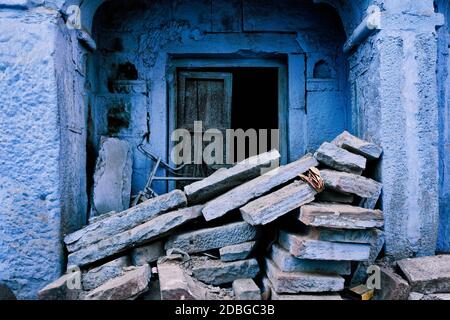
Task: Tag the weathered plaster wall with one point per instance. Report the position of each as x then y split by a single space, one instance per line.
148 34
30 211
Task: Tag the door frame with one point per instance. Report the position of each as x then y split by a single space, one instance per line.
197 63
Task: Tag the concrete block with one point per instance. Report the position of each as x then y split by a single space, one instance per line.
365 188
393 286
125 220
112 177
63 288
246 289
340 159
238 251
364 148
126 287
288 263
224 180
146 232
257 187
340 216
296 282
147 254
212 238
217 272
95 277
427 274
306 247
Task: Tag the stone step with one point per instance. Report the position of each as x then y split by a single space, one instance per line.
344 182
306 247
257 187
340 216
296 282
217 272
212 238
286 262
273 206
238 251
246 289
151 230
340 159
223 180
364 148
125 220
427 274
126 287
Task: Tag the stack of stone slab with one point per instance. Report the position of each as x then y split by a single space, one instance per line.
315 252
205 242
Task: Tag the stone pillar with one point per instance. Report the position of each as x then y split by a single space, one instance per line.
406 54
30 214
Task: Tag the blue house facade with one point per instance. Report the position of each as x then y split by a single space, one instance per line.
74 71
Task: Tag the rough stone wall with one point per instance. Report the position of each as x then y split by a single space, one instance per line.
30 212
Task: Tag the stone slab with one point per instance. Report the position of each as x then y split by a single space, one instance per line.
393 286
212 238
336 197
223 180
365 188
364 148
340 159
238 251
273 206
147 254
217 272
97 276
340 216
246 289
296 282
112 177
427 274
288 263
257 187
306 247
63 288
126 287
151 230
367 236
437 297
125 220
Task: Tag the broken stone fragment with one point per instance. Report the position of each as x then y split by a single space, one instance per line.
296 282
340 216
307 247
126 287
427 274
217 272
273 206
67 287
365 188
286 262
212 238
151 230
112 177
97 276
257 187
340 159
351 143
336 197
147 254
393 286
224 180
124 220
246 289
238 251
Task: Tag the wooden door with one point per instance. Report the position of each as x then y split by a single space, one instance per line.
206 97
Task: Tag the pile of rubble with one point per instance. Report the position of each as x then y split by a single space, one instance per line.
305 230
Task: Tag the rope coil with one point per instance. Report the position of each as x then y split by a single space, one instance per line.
314 179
